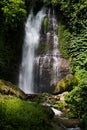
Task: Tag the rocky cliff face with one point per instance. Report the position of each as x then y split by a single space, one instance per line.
50 66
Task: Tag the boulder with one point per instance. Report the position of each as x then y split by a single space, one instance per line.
65 84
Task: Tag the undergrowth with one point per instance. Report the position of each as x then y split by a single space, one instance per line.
17 114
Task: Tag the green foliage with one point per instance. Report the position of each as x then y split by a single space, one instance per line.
45 97
53 2
77 101
12 16
59 105
75 13
80 73
76 98
84 121
19 114
4 57
64 39
14 12
78 50
74 18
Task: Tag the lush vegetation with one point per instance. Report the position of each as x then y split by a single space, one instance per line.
12 16
16 114
64 38
73 45
75 13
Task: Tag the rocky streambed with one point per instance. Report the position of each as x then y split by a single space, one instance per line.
65 124
59 121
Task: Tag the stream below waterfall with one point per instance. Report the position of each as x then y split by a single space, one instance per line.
61 122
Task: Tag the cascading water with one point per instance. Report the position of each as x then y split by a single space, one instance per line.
56 52
31 41
40 70
48 65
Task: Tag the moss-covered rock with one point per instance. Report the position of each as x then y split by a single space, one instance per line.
43 48
45 25
65 84
7 88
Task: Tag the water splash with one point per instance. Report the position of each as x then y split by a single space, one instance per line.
31 41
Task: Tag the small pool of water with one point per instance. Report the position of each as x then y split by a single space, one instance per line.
77 128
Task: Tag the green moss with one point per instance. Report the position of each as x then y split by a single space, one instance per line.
45 25
66 84
61 86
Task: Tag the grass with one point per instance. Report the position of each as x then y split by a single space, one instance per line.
17 114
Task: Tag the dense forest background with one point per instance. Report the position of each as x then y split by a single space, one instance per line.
72 15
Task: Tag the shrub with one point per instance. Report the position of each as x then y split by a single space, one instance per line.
77 101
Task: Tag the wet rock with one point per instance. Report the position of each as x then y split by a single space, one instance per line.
64 66
68 123
49 69
56 126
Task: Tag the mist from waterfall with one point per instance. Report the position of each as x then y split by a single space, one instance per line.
31 41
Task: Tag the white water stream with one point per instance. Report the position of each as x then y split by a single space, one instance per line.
31 41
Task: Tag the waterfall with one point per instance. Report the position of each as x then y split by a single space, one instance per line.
56 52
40 70
48 65
31 41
